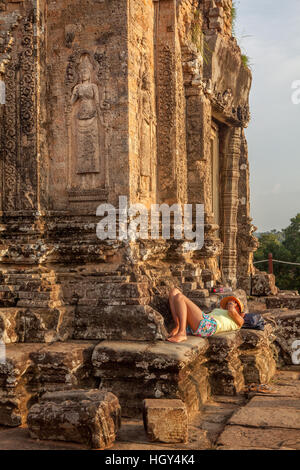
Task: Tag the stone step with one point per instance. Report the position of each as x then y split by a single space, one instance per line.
291 302
159 370
34 295
239 357
199 294
286 329
11 296
101 302
29 370
94 278
214 415
113 322
35 276
36 325
135 370
29 286
188 286
112 279
36 303
105 291
89 417
90 319
83 273
270 421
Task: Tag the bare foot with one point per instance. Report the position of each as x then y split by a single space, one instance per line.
177 338
174 332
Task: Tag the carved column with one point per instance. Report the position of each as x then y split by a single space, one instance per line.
170 106
231 176
246 241
198 132
22 116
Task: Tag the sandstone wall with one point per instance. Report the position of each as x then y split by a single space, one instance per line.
142 102
85 36
121 97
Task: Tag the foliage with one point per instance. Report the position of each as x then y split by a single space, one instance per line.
246 61
197 37
284 246
233 17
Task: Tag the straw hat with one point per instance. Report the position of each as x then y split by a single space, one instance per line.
225 301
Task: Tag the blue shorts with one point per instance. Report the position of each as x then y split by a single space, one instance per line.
207 327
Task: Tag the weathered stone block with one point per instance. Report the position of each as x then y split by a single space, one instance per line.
165 420
257 354
13 395
90 417
263 284
225 368
258 367
36 325
32 369
61 366
292 302
125 322
286 331
135 371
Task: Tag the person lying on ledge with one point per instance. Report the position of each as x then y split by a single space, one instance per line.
189 318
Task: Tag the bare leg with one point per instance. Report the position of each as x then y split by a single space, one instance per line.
187 313
172 295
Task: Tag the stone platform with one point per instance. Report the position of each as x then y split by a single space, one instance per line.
190 371
292 302
270 421
286 324
135 370
32 369
209 429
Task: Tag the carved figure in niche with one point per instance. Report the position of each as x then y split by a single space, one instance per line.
86 119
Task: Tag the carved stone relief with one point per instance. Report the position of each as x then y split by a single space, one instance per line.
86 136
146 123
20 125
85 120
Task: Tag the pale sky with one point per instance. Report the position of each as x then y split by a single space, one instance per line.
268 31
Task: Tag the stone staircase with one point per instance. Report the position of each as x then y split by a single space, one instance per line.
88 328
32 369
46 306
32 308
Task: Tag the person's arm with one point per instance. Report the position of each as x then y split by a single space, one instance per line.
236 317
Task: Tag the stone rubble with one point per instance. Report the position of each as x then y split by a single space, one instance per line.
88 417
165 420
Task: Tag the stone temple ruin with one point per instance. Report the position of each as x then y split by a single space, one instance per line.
146 99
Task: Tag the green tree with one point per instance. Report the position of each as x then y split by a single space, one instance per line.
284 246
292 238
292 244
